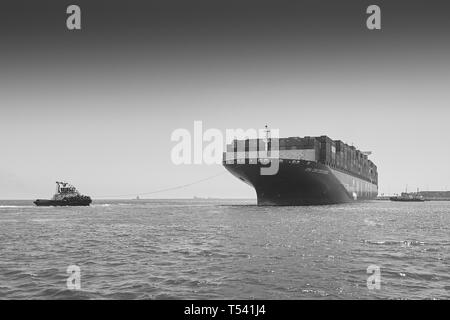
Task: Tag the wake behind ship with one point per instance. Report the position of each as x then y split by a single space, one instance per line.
311 170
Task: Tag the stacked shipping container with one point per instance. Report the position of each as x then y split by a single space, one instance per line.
333 153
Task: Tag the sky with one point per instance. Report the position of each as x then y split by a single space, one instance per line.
97 106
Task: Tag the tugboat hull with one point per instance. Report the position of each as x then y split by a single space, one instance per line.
62 203
406 199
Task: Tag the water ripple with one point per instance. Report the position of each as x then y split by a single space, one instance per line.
205 249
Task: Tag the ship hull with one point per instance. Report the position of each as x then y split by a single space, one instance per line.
300 183
406 200
62 203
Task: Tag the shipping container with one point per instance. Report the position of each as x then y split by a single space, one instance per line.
334 153
327 150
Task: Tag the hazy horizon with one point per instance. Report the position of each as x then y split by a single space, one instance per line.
97 107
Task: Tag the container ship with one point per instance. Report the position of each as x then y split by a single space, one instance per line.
310 170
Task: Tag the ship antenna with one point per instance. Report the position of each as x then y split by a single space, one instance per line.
267 131
267 138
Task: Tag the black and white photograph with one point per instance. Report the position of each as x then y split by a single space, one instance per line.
212 151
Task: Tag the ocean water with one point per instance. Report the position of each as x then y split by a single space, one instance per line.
225 249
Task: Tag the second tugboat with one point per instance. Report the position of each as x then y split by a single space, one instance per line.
408 197
66 195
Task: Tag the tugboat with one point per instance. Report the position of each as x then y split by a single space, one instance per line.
66 195
408 197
